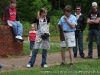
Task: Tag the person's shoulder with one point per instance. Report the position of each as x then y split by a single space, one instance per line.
98 11
7 8
47 17
73 16
34 31
82 15
62 17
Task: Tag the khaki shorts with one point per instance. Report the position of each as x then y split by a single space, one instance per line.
69 40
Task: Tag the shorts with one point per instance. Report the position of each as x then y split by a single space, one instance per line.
69 40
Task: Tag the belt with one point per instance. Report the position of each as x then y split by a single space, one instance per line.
67 31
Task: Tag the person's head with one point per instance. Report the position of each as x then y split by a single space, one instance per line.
42 12
13 4
67 10
94 6
32 27
78 9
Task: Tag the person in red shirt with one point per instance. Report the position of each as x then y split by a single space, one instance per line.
31 38
12 20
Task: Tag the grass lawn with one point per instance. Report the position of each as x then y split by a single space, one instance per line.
87 67
54 47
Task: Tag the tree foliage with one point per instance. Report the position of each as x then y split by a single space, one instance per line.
3 5
28 8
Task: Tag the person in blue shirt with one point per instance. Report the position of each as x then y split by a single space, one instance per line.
68 23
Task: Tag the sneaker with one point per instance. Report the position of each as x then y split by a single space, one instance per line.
75 56
89 57
45 65
28 66
98 57
71 64
63 64
18 37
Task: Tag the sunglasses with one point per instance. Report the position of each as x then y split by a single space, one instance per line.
77 9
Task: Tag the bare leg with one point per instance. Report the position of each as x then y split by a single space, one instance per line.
71 54
30 53
63 54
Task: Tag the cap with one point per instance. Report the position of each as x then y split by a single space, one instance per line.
94 4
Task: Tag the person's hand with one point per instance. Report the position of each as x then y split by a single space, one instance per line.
91 21
65 18
10 25
28 41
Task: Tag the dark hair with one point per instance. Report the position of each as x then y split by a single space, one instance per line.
78 6
13 1
68 8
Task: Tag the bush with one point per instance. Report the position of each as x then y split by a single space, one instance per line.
26 28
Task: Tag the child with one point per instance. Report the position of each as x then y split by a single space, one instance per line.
31 38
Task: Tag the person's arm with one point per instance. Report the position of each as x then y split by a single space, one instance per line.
71 24
28 37
7 16
48 20
93 21
17 17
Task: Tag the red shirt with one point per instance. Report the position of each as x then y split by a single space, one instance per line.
32 35
12 14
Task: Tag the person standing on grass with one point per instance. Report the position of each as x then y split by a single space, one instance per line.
68 23
42 41
81 25
12 20
94 30
31 38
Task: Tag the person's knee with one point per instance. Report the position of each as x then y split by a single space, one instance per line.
44 51
63 49
14 25
19 25
35 51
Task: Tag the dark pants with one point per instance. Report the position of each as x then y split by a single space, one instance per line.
33 58
79 43
91 34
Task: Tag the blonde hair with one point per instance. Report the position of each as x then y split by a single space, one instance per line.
42 10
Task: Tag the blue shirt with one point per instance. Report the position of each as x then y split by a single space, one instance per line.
65 25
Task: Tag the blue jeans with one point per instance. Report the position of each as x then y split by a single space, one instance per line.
91 34
33 58
79 43
31 44
17 28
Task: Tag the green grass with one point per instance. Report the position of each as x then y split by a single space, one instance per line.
54 47
87 67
